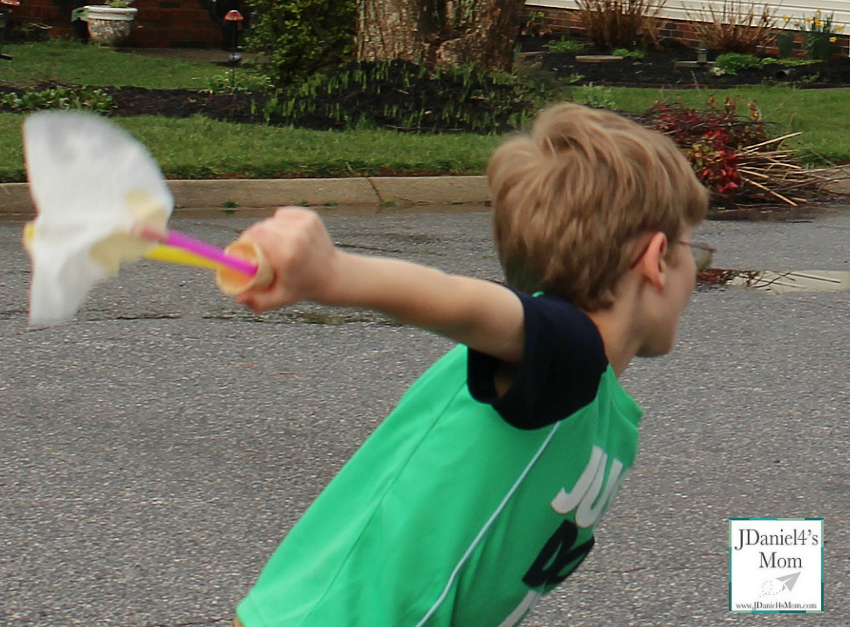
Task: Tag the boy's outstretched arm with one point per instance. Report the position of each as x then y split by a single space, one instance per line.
307 266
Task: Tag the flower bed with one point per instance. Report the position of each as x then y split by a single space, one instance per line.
658 68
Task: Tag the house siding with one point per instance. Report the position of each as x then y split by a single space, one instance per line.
683 9
561 16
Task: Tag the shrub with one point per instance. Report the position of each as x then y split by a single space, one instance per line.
570 46
733 62
789 62
238 79
84 98
737 26
535 24
617 23
819 36
404 96
626 53
785 43
709 139
297 38
597 96
735 158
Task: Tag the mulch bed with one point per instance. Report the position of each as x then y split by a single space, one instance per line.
657 69
173 103
184 103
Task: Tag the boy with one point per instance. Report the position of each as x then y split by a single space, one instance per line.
480 492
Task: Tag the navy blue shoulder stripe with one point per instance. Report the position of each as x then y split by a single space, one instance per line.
563 362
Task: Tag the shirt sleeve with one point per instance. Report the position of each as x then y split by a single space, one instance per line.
563 361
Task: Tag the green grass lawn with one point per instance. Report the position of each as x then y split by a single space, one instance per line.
73 62
201 148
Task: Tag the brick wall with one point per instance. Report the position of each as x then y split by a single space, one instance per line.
566 22
158 24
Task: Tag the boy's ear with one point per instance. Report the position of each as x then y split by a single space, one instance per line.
653 264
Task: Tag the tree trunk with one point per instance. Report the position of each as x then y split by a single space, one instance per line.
439 33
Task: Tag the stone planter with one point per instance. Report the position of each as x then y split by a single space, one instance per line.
109 26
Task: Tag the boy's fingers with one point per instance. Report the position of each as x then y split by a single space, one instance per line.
294 243
277 235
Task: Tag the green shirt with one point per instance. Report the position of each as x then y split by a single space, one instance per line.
448 515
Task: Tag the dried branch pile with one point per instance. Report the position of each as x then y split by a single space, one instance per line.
735 158
771 169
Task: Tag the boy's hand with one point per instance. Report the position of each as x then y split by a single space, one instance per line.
301 255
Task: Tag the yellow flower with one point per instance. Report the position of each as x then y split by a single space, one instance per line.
838 29
786 18
818 11
808 20
832 40
818 23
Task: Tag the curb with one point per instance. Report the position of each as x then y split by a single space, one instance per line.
375 194
361 195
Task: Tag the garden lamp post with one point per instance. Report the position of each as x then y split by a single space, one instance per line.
702 54
217 10
233 18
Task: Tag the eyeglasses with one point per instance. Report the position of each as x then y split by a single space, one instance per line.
702 254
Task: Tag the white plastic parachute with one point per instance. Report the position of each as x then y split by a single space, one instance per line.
92 183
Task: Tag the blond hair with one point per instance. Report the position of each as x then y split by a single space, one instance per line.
571 198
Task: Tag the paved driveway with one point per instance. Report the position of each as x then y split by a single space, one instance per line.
154 452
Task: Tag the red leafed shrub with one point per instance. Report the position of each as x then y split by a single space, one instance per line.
715 163
710 139
735 158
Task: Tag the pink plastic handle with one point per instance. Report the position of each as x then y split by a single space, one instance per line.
208 251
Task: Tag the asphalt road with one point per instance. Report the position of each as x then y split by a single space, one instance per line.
154 451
